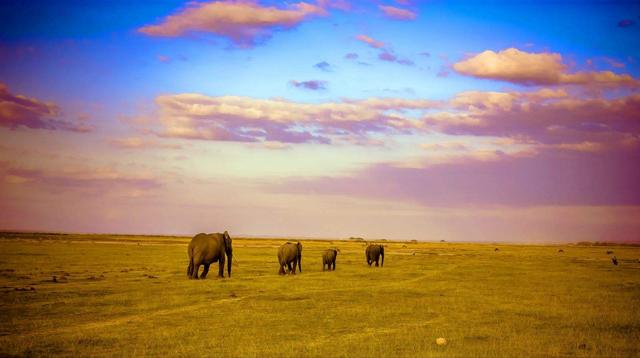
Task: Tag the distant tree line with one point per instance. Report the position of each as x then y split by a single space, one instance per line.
605 243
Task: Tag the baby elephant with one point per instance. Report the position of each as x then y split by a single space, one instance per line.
329 259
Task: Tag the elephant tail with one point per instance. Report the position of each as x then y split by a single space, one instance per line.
190 268
190 253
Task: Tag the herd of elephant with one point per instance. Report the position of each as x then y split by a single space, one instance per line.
205 249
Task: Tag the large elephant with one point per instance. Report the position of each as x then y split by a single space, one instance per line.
373 253
329 259
288 254
205 249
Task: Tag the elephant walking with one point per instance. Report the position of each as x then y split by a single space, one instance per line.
288 254
373 253
329 259
205 249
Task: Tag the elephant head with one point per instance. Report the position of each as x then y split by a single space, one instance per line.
299 256
228 249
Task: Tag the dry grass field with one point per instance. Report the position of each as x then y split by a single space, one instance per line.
129 296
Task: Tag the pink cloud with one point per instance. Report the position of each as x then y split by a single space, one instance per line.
314 85
517 66
545 116
21 111
397 13
386 54
548 117
370 41
244 119
98 179
549 178
243 22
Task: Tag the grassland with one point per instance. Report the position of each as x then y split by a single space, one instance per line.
129 296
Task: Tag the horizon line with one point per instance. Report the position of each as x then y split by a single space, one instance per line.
324 238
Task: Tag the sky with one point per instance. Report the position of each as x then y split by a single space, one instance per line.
429 120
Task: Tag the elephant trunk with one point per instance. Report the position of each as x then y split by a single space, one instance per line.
382 254
299 261
229 259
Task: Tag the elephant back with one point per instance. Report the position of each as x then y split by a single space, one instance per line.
288 251
330 254
206 243
374 250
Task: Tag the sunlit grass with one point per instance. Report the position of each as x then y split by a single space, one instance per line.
126 296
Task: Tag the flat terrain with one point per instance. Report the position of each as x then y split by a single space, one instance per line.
129 296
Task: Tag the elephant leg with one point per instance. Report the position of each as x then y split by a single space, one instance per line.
221 267
334 266
376 263
289 267
190 269
205 271
196 267
281 271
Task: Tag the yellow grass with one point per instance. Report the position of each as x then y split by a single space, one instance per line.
129 296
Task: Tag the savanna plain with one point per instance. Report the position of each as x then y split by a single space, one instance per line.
106 295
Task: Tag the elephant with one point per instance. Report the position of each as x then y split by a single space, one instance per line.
329 258
204 249
290 253
373 253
